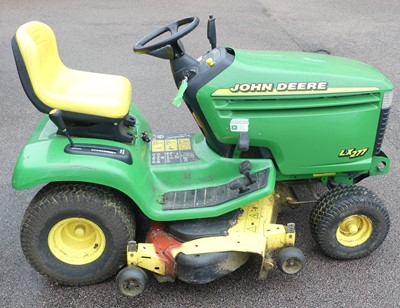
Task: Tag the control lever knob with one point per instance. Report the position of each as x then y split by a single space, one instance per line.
55 116
245 168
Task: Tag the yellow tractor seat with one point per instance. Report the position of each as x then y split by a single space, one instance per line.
82 96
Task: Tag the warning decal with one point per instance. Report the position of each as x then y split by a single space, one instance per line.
172 149
253 218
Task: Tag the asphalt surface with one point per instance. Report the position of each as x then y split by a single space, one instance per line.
99 35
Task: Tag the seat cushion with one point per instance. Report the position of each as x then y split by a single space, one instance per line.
59 87
90 93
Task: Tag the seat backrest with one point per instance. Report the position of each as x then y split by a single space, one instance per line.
36 55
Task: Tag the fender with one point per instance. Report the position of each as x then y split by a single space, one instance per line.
43 160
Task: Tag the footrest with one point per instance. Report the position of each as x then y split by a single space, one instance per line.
210 196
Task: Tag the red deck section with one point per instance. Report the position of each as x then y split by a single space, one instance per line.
163 244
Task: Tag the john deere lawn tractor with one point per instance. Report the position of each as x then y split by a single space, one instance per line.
207 200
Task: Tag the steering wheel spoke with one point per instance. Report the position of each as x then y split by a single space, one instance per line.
173 28
158 49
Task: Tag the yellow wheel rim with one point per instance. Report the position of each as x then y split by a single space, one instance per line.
76 241
354 230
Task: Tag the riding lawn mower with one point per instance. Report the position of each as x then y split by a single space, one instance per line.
207 200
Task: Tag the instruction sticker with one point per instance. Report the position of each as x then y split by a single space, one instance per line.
239 125
172 149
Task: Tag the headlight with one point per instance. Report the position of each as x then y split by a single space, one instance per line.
387 100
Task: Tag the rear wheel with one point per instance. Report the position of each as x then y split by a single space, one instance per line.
349 222
76 233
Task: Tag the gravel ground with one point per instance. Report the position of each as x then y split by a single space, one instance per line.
99 35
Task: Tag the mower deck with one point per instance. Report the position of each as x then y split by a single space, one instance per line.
255 231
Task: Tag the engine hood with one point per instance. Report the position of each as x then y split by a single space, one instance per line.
260 73
304 108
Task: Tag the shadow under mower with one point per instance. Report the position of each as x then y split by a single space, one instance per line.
210 199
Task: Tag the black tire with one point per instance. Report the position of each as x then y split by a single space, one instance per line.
291 260
131 281
92 219
349 222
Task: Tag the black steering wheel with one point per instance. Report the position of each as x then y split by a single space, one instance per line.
164 48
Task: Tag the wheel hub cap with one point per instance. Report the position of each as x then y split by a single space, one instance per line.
80 231
76 241
354 230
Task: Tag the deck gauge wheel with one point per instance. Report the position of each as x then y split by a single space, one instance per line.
131 281
290 260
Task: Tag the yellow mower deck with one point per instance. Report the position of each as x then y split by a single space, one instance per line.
256 232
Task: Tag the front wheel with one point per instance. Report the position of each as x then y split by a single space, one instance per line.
76 233
349 222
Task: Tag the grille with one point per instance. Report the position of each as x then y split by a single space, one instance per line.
290 102
383 120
